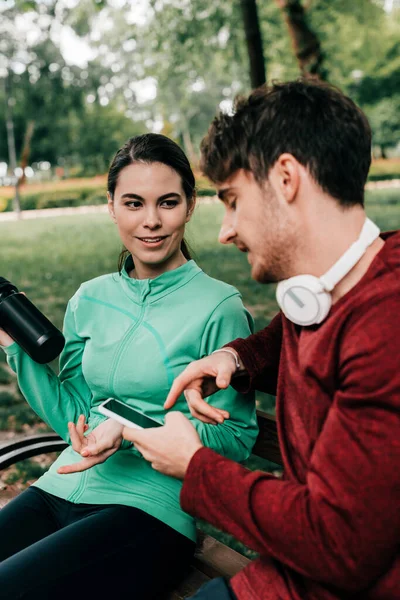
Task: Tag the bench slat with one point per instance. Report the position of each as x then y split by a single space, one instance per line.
267 444
189 586
33 449
217 560
22 442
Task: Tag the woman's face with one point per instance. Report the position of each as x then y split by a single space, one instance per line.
151 210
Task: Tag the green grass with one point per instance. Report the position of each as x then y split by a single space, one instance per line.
382 197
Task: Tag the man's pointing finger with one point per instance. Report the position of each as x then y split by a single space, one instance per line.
176 390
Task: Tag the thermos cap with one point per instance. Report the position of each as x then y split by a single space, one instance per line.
36 335
6 288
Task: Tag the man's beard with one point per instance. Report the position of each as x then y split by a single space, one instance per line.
280 248
275 270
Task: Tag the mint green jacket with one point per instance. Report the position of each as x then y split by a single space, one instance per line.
129 339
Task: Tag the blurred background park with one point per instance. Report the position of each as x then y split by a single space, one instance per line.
77 78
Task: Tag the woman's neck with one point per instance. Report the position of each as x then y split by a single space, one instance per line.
146 271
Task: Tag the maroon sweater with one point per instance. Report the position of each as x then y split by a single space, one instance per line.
330 528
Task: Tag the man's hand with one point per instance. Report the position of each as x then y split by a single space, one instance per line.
201 379
96 447
169 448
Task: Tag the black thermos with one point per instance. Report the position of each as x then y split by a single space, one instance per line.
27 325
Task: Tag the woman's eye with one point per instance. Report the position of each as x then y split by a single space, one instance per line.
169 203
134 204
232 204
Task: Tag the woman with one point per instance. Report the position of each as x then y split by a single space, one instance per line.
127 336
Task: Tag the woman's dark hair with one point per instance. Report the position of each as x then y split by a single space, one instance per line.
321 127
153 148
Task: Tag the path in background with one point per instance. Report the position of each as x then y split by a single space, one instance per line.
8 435
102 208
54 212
76 210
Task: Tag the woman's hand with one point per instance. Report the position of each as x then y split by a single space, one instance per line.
5 339
95 447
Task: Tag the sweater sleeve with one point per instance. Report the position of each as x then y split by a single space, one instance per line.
55 399
235 437
342 525
260 355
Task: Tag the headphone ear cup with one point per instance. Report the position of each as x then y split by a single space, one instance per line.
280 290
303 300
325 303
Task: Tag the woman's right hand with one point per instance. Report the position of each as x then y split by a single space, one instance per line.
5 339
96 447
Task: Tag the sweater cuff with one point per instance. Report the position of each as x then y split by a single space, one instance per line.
242 382
125 444
189 492
12 349
94 422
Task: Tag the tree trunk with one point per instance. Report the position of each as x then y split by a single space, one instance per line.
190 151
12 155
26 150
306 45
254 42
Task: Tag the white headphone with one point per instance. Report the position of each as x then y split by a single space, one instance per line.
305 299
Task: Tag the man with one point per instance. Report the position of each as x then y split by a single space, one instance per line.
290 166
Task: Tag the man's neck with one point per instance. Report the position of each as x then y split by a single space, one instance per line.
328 232
358 271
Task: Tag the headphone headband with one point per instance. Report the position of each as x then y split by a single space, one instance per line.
350 258
306 299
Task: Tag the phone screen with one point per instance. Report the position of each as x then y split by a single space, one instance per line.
130 414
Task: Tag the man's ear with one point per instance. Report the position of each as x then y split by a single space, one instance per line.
286 176
110 205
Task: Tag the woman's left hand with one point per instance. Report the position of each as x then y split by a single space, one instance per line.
95 447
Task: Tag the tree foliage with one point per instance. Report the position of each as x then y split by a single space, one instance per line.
43 89
172 65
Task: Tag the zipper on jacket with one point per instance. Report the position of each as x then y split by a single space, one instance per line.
144 292
77 494
80 488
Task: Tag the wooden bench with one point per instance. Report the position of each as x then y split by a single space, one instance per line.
212 558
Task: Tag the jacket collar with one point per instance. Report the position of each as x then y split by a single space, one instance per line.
151 290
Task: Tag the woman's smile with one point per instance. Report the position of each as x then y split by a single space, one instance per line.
152 242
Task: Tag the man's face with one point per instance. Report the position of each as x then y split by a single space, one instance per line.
256 220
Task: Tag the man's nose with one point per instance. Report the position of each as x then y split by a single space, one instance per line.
227 233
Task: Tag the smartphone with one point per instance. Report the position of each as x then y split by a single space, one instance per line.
124 414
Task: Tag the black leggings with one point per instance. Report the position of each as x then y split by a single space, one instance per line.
52 548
